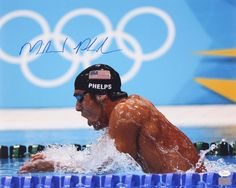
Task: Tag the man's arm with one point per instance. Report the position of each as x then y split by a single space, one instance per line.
37 165
124 129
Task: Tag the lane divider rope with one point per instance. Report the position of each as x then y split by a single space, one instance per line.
222 148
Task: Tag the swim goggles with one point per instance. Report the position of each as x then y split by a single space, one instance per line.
80 97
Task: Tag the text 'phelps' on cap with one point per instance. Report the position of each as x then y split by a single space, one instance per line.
99 79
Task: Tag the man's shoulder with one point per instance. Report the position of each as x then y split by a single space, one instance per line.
139 101
134 107
135 96
136 99
131 103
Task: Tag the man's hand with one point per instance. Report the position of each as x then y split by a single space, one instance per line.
37 156
37 163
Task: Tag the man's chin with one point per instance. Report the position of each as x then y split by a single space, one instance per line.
96 127
89 123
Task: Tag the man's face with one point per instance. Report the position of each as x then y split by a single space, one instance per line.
90 109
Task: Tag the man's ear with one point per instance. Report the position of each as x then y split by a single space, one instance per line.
101 98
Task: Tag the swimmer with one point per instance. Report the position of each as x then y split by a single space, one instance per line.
134 123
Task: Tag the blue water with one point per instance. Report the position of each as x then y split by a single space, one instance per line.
45 137
88 136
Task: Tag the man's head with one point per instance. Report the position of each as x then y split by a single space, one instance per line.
94 87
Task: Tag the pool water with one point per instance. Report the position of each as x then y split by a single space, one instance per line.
10 167
88 136
45 137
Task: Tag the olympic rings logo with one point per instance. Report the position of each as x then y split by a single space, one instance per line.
119 35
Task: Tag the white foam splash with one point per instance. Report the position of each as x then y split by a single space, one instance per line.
219 165
216 165
100 158
103 158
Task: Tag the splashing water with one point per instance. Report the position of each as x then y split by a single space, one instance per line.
213 165
99 158
103 158
217 165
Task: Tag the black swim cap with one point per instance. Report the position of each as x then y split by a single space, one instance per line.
100 79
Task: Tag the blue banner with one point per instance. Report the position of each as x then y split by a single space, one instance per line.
171 52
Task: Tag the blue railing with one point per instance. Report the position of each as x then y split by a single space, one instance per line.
132 181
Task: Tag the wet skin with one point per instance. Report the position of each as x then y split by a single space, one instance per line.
142 131
138 129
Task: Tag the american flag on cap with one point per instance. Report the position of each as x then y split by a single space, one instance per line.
100 74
